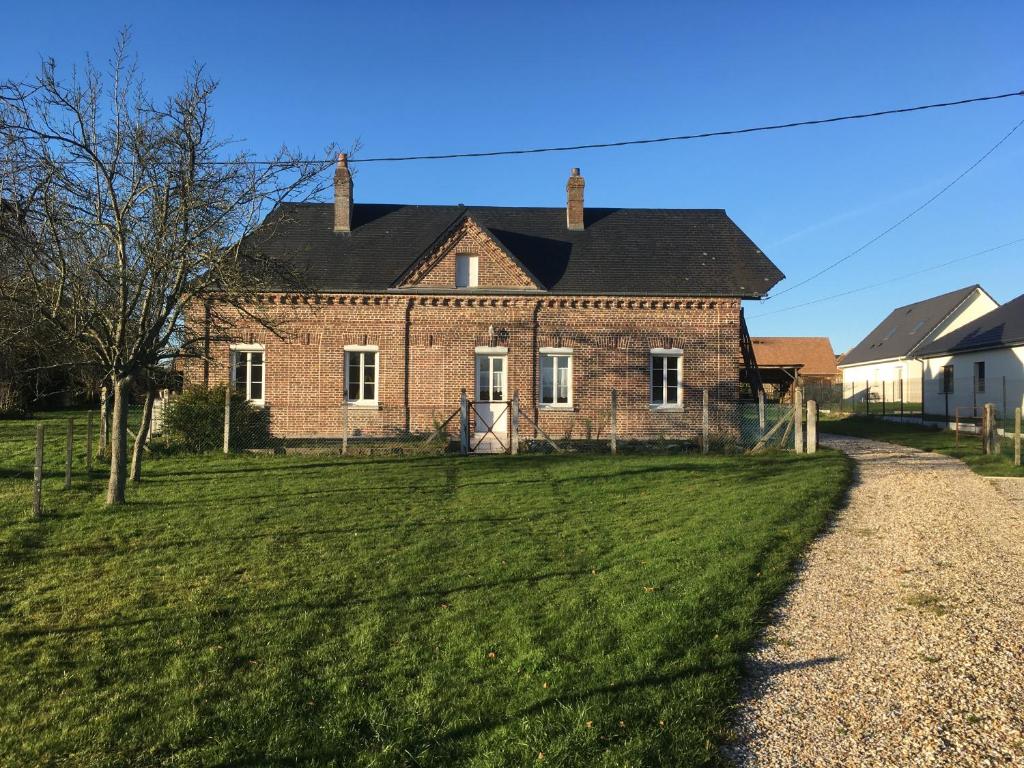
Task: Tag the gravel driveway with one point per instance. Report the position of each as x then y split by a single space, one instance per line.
902 644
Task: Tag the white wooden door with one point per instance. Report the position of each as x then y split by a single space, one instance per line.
491 394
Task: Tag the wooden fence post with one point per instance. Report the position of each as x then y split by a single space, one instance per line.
463 423
514 436
88 446
812 426
37 474
1016 437
705 423
613 426
798 420
227 419
760 412
69 456
344 427
989 433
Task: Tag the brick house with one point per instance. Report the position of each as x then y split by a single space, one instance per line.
403 306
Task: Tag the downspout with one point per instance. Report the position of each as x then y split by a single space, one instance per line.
408 364
535 352
206 345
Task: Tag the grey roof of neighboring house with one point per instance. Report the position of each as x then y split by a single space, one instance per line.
1002 327
906 327
620 250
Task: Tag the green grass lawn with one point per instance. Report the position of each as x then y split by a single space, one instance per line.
438 611
928 439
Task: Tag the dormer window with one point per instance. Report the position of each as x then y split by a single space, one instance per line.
466 270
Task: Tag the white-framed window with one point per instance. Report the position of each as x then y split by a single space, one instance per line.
247 372
555 377
467 270
362 375
667 378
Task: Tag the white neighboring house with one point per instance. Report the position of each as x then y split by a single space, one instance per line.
885 362
981 362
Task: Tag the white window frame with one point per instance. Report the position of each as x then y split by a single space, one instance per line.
659 352
361 350
467 270
248 350
556 353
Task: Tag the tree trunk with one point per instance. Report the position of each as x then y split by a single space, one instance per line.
118 442
104 421
140 439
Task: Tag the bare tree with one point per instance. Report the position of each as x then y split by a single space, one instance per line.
132 209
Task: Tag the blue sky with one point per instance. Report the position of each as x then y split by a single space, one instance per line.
437 77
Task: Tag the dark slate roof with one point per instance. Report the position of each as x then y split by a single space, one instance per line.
906 327
619 251
1002 327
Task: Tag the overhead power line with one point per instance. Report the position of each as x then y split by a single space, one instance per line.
329 161
892 279
902 221
690 136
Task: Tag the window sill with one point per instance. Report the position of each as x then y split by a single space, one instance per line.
557 408
667 408
362 406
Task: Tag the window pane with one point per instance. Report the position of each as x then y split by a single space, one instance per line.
498 384
461 271
256 391
671 395
353 375
483 379
563 379
657 379
240 371
546 379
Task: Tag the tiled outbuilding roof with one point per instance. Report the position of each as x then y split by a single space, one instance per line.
813 354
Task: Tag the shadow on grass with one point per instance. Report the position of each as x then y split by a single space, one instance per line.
217 614
647 681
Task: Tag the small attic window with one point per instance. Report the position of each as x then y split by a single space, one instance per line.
466 270
917 327
889 334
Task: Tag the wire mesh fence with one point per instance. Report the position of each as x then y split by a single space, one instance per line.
217 420
70 450
944 399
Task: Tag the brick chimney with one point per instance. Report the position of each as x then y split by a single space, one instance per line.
342 195
574 201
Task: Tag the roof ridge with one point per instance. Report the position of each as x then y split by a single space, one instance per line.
473 206
938 296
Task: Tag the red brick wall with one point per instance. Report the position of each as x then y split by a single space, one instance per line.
611 340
